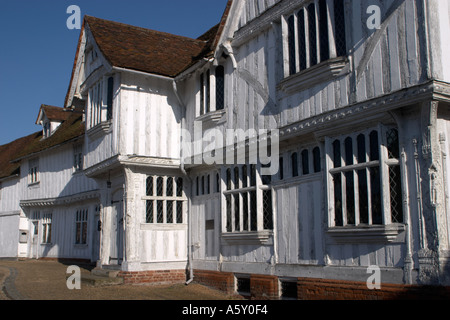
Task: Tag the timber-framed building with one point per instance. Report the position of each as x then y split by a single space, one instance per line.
360 116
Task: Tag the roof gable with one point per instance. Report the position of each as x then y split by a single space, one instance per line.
144 50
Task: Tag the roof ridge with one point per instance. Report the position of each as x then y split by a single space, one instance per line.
145 29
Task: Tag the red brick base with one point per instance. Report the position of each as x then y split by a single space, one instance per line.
154 277
325 289
223 281
263 287
267 287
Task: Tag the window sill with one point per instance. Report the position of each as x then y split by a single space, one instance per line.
213 117
366 234
245 238
163 226
312 76
34 184
100 129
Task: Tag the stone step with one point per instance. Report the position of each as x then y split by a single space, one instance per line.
101 281
108 273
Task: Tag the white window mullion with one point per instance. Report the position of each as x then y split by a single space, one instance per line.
316 5
285 35
329 181
384 175
356 180
259 199
307 50
331 28
297 55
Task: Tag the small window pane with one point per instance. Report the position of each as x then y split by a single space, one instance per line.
337 200
267 210
395 186
149 213
340 36
302 39
179 211
220 88
294 162
317 162
363 197
348 151
337 154
312 34
323 31
159 186
245 211
228 205
159 211
361 142
169 211
305 162
374 146
291 44
236 213
392 144
281 168
350 197
376 195
253 213
244 176
179 182
169 187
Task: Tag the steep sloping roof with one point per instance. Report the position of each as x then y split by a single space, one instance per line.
9 151
142 49
146 50
70 129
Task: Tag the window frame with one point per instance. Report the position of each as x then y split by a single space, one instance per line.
46 227
254 221
81 226
212 99
301 41
383 163
78 158
33 172
157 203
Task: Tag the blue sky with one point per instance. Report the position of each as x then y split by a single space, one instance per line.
37 50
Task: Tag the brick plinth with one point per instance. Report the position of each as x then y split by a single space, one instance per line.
263 287
223 281
154 277
325 289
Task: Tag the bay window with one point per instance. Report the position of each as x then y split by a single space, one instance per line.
365 185
165 200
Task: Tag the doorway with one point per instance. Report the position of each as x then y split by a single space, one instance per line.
116 250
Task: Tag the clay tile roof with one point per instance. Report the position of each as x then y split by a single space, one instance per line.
70 129
144 50
9 151
56 113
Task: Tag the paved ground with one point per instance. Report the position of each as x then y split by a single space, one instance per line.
46 280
